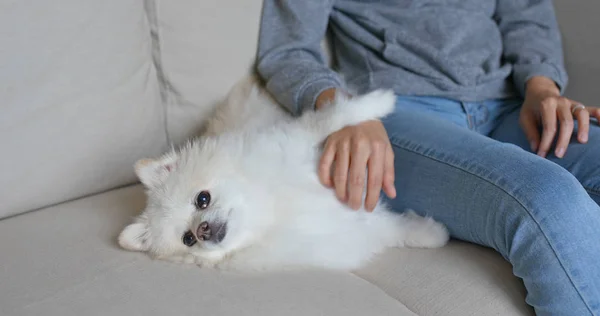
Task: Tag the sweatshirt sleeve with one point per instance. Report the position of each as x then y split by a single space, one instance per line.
289 56
532 41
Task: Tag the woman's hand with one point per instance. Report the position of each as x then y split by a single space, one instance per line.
349 152
546 107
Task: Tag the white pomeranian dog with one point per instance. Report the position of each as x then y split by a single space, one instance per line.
246 194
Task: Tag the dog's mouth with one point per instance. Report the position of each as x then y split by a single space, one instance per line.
211 231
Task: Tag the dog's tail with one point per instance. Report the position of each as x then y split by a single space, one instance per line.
243 88
347 111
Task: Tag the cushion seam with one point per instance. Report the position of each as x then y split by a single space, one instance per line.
151 8
384 292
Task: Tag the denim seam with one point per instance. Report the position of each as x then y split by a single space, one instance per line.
468 115
592 191
397 143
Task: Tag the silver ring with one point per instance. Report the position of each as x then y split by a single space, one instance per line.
576 107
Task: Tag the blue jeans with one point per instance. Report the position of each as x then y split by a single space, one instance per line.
469 166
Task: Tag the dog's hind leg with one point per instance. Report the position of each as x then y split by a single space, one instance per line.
422 232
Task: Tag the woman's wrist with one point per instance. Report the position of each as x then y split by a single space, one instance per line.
328 96
542 85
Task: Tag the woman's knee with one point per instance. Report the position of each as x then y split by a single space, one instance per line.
552 196
552 237
552 208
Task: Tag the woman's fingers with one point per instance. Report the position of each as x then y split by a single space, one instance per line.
565 118
548 113
594 112
359 157
529 124
376 165
326 163
583 126
389 174
340 174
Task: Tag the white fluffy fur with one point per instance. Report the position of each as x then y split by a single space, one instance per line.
260 166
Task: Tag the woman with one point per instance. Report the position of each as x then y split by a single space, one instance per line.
481 138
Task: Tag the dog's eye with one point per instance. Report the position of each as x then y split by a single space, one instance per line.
188 239
202 200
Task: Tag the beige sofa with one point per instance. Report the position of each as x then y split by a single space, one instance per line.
87 87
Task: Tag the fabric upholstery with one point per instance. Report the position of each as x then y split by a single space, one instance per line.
79 99
579 25
203 48
459 279
64 260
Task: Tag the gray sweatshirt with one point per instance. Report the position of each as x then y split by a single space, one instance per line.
467 50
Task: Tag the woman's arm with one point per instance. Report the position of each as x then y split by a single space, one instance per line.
290 57
291 62
532 41
532 44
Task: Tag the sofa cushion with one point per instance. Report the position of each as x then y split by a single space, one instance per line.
579 25
79 99
202 48
64 260
459 279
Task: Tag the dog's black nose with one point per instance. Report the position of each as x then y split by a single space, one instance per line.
214 232
203 231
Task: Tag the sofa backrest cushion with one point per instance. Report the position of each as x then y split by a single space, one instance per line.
204 48
579 26
79 99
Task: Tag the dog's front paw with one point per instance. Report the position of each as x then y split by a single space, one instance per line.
207 264
184 259
209 260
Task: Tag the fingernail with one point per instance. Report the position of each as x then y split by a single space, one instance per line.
542 154
584 138
560 152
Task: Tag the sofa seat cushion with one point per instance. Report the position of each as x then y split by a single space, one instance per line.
459 279
64 260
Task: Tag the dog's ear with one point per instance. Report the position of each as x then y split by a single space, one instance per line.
134 237
153 172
